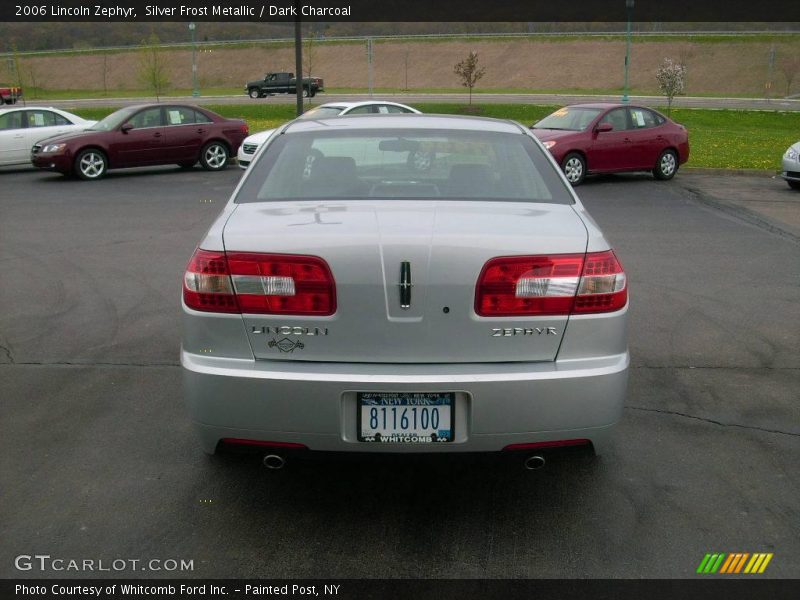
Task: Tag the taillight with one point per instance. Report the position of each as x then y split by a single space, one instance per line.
245 282
207 283
551 285
245 129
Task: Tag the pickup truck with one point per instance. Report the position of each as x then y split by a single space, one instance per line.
10 94
283 83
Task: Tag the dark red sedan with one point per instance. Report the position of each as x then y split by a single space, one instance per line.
145 135
607 138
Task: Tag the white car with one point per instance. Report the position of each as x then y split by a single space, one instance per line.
332 109
21 127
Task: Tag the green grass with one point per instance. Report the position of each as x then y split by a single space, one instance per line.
727 139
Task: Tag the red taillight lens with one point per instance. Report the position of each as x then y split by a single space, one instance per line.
550 285
244 282
245 129
207 283
282 284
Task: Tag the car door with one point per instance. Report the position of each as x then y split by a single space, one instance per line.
43 124
141 145
612 150
183 135
14 148
646 137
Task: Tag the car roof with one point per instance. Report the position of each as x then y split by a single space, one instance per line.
13 108
345 105
407 121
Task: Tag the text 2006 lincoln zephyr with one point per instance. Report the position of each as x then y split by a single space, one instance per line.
354 298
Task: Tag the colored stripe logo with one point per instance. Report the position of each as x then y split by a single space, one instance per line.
734 563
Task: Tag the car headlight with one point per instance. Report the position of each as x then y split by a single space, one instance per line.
791 154
54 147
549 144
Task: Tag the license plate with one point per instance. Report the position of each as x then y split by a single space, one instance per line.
405 418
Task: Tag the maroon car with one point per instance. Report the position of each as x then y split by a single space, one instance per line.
145 135
606 138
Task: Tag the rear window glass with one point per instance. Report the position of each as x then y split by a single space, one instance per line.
403 164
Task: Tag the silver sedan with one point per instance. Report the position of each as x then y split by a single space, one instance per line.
350 298
791 166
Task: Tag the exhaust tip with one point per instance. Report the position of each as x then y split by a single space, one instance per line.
273 461
532 463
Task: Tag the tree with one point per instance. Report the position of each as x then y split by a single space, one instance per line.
671 77
790 65
309 53
469 72
153 66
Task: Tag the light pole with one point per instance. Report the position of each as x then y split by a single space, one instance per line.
195 91
629 10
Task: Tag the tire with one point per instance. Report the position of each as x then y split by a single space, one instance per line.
666 165
305 92
91 164
254 93
312 93
214 156
795 185
574 166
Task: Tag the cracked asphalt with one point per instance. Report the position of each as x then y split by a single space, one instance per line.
98 460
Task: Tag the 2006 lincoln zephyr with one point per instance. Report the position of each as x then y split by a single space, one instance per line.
354 297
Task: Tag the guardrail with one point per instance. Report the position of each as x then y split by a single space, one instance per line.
419 36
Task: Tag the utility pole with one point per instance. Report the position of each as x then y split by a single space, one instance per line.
298 64
771 69
195 89
629 10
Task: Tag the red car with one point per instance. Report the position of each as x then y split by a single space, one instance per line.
607 138
145 135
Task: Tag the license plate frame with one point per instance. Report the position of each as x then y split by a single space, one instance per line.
389 400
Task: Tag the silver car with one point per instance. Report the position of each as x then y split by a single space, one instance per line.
791 166
350 299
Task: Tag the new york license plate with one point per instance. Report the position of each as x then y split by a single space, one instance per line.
405 418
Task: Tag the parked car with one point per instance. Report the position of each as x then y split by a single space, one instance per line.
791 166
331 109
609 138
145 135
283 83
354 303
22 127
9 94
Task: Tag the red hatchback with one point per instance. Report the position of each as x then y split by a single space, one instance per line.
145 135
607 138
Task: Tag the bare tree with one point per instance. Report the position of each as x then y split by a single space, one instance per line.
790 66
671 77
32 76
153 66
469 72
309 53
105 73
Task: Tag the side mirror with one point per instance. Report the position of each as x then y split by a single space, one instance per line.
604 128
126 128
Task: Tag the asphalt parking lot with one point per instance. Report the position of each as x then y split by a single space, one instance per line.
98 460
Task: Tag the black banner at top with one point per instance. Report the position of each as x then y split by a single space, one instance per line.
272 11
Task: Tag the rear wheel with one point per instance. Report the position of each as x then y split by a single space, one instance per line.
795 185
667 165
254 93
91 164
214 156
574 167
305 92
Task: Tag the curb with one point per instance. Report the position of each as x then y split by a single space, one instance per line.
720 171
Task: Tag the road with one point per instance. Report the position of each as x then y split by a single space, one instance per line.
98 460
411 98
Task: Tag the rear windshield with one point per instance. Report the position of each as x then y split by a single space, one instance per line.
569 119
403 164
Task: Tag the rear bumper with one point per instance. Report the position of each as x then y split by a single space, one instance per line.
315 403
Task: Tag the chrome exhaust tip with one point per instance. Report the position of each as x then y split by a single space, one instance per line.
273 461
532 463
